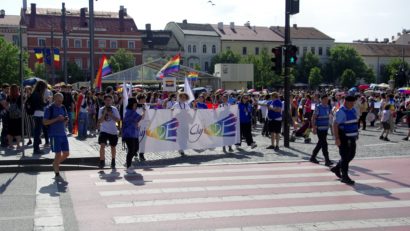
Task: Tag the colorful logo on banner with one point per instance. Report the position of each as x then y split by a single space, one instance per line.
225 127
166 131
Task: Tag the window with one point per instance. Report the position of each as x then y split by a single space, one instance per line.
41 42
312 49
189 49
113 44
77 43
131 45
206 66
101 43
256 50
213 49
79 62
304 50
244 50
228 48
16 40
320 51
327 51
204 49
194 48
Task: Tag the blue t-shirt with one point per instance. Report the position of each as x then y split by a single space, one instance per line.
341 116
273 115
200 105
129 127
245 112
57 128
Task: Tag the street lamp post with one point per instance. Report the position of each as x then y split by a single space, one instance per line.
91 28
64 29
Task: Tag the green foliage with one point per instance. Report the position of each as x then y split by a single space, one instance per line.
315 77
40 70
344 57
197 67
307 62
369 76
224 57
348 78
75 74
10 63
121 60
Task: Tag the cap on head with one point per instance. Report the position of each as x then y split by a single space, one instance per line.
350 98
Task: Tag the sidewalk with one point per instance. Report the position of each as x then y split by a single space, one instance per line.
85 154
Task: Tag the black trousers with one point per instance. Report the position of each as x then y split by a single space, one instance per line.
246 131
347 151
362 119
321 144
132 147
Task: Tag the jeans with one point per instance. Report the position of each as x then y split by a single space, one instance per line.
363 120
70 121
321 144
132 147
82 125
38 126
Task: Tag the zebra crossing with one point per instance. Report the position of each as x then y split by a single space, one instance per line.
268 196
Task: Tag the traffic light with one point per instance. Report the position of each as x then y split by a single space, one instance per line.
277 60
293 58
294 7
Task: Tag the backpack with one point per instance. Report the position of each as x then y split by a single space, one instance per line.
14 111
29 105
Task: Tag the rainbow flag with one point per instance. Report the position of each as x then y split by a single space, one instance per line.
103 70
38 52
170 67
193 75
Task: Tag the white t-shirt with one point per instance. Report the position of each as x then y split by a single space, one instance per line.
264 108
179 105
109 125
385 116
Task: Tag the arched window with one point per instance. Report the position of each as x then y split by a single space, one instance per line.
189 49
194 48
204 49
213 49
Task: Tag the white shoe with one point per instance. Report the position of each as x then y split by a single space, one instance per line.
253 145
130 170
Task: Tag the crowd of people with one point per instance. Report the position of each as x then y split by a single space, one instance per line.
50 113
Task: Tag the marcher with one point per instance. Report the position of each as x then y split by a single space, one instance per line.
142 106
3 106
385 120
130 131
38 103
320 125
56 118
14 115
274 120
245 118
225 104
183 105
108 116
346 133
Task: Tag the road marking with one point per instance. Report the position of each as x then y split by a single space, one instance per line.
379 144
159 173
213 179
327 226
47 214
373 192
258 212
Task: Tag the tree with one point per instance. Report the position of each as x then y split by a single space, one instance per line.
394 71
40 70
10 63
344 57
308 61
348 78
75 73
225 57
121 60
369 76
315 77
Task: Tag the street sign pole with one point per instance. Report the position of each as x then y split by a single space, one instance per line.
286 79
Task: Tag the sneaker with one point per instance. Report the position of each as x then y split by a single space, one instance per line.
271 147
253 145
406 138
347 180
182 153
230 149
141 157
223 149
314 160
102 164
277 148
113 164
386 139
381 137
328 163
336 171
29 143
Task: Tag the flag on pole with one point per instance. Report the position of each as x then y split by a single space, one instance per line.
170 67
103 70
47 56
38 52
125 95
193 76
187 89
56 58
77 113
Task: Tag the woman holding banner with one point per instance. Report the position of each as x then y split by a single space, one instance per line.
245 117
183 105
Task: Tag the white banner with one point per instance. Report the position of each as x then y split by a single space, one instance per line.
172 130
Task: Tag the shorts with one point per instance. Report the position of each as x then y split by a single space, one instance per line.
102 139
59 144
386 125
274 126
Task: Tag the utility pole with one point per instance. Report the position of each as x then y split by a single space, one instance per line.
91 28
52 55
64 29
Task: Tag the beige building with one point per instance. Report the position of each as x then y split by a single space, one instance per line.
234 76
378 55
402 38
247 39
9 29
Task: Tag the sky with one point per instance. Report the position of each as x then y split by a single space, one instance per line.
343 20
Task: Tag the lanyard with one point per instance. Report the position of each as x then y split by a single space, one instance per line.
181 106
